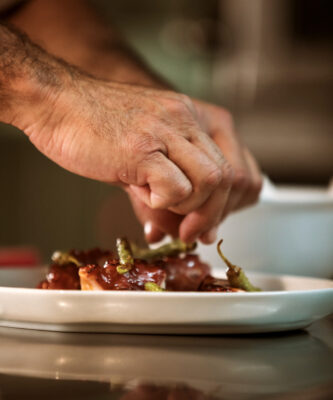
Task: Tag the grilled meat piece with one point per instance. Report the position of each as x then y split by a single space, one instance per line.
96 269
61 277
185 273
93 256
95 277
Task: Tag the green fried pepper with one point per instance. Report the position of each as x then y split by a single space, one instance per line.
126 259
236 275
173 248
63 258
153 287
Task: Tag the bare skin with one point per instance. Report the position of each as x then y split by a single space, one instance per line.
179 159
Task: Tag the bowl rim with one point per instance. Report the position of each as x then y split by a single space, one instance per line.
296 195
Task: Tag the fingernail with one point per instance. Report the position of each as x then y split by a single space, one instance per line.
210 236
148 228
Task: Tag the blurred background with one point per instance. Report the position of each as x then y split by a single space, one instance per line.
270 62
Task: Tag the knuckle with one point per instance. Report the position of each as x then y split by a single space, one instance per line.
146 144
227 176
179 105
186 100
152 157
256 187
182 191
241 180
213 177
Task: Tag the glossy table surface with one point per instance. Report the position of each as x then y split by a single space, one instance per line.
50 365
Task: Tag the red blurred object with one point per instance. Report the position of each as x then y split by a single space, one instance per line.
19 256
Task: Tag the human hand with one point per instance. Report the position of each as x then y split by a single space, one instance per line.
243 191
147 139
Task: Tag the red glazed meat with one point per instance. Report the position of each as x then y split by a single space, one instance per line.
94 277
61 277
185 274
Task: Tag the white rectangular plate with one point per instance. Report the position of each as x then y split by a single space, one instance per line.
286 303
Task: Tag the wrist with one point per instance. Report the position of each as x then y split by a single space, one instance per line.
30 79
32 98
23 97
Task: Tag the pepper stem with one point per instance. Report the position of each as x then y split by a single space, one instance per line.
236 276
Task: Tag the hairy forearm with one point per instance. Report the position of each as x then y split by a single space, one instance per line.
71 30
26 74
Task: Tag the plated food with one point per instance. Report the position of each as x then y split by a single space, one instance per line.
285 302
172 267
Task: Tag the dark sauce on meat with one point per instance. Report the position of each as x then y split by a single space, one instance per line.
93 256
61 277
108 278
185 274
99 271
66 277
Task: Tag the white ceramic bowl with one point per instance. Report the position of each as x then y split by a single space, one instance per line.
290 231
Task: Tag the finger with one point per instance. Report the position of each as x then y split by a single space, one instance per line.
255 185
157 223
232 150
219 125
143 213
204 142
165 184
210 236
202 220
246 189
152 233
204 174
238 192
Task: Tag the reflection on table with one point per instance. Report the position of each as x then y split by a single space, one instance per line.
53 365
